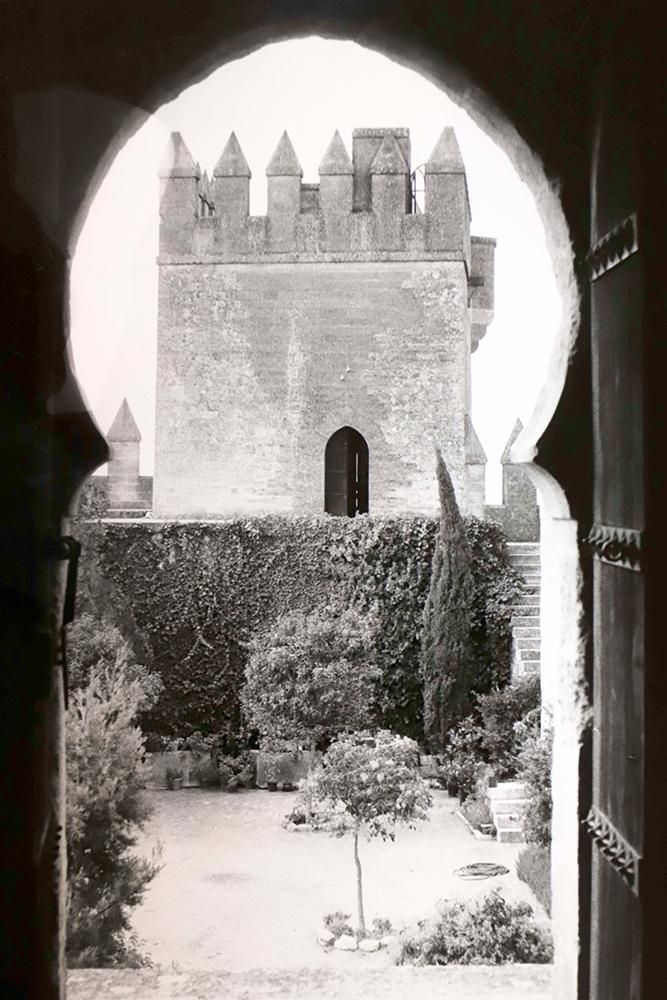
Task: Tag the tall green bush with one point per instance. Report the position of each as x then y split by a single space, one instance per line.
311 676
447 667
106 808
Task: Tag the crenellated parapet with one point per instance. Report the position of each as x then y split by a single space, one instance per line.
361 209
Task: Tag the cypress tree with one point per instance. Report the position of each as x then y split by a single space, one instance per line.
447 663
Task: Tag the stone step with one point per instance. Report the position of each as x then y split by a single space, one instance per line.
527 601
511 835
526 631
529 643
527 668
510 807
506 790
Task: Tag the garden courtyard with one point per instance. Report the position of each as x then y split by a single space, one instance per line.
238 904
238 891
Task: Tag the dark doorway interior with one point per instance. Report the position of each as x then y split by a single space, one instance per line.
346 474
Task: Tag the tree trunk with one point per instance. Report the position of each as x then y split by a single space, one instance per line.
361 922
307 791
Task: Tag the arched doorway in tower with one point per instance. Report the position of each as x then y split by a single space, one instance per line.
346 474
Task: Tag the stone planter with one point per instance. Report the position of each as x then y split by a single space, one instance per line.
284 768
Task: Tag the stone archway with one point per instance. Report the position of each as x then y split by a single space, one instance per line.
147 75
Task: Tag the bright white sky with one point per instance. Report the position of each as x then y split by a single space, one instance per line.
309 87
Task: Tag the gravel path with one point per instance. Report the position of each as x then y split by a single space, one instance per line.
405 983
239 892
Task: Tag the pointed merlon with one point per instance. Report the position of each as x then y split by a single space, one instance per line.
475 454
505 457
446 157
284 163
176 160
124 427
389 159
232 162
336 160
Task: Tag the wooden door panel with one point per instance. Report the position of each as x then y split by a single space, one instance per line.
616 819
618 392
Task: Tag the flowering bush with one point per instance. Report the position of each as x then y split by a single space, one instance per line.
490 931
370 784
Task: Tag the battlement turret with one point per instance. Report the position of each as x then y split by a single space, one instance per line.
361 207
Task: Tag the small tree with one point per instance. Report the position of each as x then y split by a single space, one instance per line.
106 806
94 642
311 677
447 661
371 785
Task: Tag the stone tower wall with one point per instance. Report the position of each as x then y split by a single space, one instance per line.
276 331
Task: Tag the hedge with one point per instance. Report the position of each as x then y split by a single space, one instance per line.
189 595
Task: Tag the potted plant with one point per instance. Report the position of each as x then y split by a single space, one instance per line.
272 774
174 777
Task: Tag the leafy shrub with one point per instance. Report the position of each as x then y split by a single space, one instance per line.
500 712
490 931
337 923
206 772
381 927
463 760
106 807
534 766
447 664
371 784
476 810
533 866
311 676
496 585
242 766
95 642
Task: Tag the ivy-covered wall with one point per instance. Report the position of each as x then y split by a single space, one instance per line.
188 596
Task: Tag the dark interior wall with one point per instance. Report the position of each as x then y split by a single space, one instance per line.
521 65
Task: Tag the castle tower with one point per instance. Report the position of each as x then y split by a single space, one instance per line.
389 183
326 342
124 440
475 469
231 191
446 197
336 191
284 175
179 196
519 513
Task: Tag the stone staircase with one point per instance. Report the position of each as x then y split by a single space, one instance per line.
525 558
508 801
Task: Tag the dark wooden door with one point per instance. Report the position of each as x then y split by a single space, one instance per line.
346 474
616 819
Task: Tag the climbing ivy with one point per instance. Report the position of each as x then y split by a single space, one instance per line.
189 596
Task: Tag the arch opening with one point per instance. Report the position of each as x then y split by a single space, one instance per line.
566 680
346 469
